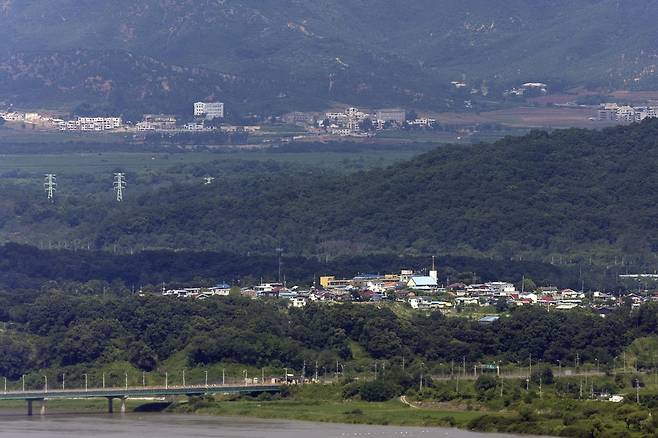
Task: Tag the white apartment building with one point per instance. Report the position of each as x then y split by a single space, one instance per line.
209 110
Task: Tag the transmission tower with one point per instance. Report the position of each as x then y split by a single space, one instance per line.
207 180
119 185
50 185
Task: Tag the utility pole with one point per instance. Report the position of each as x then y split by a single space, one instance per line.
119 185
637 391
530 362
50 185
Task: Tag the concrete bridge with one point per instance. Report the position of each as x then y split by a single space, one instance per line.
129 392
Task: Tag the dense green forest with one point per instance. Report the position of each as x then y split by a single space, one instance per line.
576 196
61 329
27 269
271 56
58 329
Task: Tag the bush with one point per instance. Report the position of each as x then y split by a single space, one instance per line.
378 391
543 375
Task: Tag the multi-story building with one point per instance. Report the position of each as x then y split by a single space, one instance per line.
209 110
99 123
394 115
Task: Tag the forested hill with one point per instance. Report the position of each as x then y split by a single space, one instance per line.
571 192
282 54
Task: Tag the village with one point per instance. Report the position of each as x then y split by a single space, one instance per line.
352 122
421 291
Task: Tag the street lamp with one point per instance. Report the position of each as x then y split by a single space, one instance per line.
63 379
206 372
245 377
86 383
23 377
126 374
183 377
559 365
45 383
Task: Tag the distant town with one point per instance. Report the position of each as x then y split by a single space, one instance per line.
352 122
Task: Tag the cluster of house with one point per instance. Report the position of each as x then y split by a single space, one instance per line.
419 291
89 124
612 112
203 112
21 117
529 88
354 122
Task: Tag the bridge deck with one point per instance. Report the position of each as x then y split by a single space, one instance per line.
135 392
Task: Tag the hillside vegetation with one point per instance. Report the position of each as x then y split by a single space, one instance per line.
571 192
276 55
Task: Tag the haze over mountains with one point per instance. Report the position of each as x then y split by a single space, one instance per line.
267 55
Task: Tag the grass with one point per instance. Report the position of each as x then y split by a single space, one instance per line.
79 163
351 412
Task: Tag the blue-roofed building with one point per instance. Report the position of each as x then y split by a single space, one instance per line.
422 283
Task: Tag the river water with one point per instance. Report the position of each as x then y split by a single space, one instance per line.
170 426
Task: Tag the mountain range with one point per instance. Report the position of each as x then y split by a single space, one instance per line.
268 56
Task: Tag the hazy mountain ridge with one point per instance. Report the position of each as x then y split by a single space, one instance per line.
370 52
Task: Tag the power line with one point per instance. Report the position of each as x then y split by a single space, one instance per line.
50 185
119 185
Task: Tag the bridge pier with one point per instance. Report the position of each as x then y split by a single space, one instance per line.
29 408
43 407
110 405
123 405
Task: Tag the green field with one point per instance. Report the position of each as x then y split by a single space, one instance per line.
145 162
388 413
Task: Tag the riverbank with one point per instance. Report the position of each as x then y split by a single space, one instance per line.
393 412
532 414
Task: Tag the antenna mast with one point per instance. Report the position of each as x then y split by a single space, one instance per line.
119 185
50 185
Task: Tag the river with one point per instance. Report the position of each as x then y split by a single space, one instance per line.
170 426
